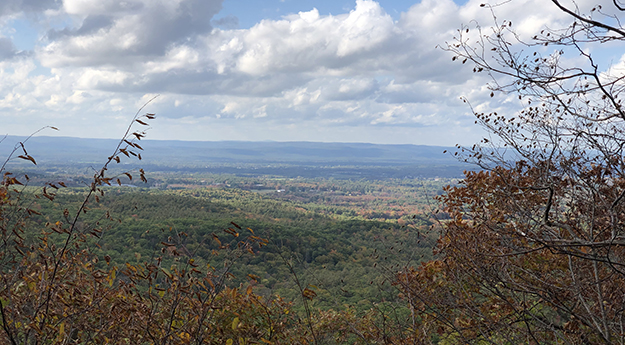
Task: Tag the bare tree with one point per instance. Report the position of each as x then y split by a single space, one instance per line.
534 250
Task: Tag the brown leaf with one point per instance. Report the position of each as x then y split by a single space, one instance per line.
28 158
124 151
309 294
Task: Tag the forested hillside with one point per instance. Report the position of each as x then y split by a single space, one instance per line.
334 233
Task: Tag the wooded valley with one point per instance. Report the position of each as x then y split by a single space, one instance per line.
324 243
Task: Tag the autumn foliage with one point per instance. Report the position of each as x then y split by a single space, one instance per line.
533 250
524 265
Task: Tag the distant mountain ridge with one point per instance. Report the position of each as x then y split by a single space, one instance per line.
185 153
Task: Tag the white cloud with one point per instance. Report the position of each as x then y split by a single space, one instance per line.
268 59
126 33
360 70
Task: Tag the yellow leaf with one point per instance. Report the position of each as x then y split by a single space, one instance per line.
169 275
235 323
112 276
229 342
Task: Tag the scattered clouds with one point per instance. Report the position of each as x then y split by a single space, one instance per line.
12 7
361 74
126 33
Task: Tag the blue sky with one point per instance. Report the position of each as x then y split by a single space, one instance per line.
250 12
281 70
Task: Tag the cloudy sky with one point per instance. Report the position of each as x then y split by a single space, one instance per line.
282 70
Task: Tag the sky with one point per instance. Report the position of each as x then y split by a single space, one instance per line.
253 70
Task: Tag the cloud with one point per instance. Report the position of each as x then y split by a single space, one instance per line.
265 60
90 26
361 70
309 43
125 34
229 22
14 9
9 7
7 49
